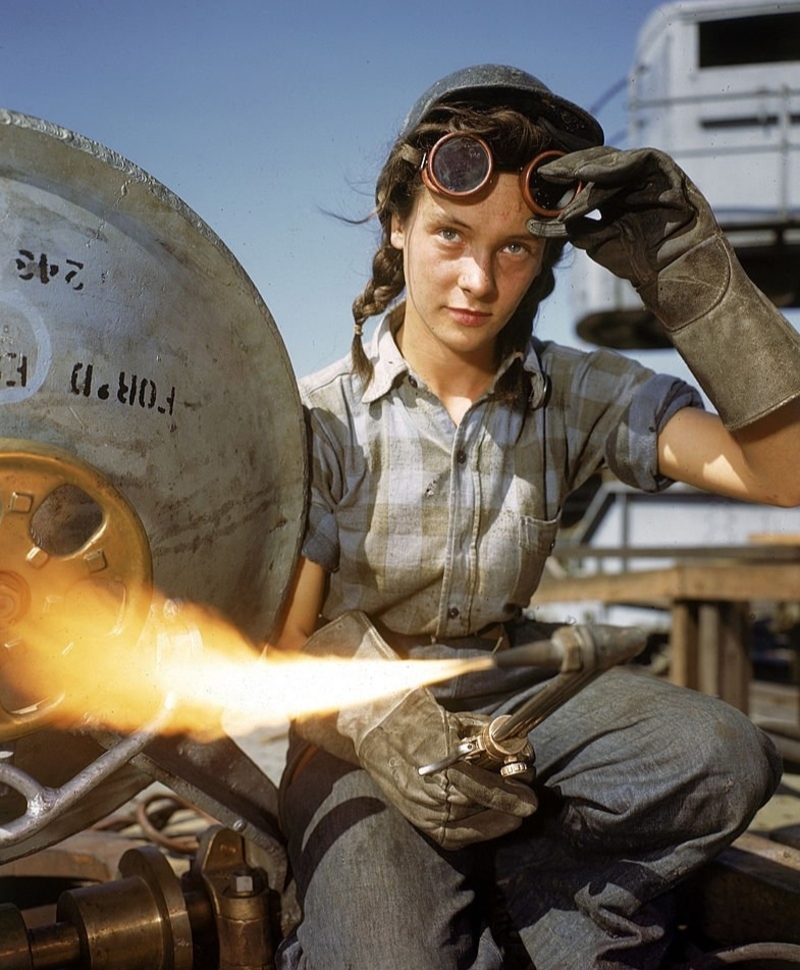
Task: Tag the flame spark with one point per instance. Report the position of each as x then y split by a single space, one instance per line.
91 669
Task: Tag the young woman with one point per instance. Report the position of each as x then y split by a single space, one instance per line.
441 459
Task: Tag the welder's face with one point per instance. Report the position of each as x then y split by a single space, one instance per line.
467 264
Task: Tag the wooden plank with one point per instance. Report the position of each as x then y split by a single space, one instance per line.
750 893
724 646
742 583
708 662
656 587
653 587
683 669
735 670
88 856
765 547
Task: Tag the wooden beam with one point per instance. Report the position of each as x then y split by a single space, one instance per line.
729 582
749 894
766 547
684 665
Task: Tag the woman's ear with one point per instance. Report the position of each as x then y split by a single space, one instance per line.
398 232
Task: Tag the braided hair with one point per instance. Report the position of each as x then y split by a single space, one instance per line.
514 139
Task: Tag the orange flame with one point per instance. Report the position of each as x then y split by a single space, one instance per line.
90 669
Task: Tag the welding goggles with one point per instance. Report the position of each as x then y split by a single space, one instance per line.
460 165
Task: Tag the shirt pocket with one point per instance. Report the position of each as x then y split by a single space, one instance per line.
536 540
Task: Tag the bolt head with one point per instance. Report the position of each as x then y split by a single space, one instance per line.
243 884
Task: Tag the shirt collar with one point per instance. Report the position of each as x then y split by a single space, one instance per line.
540 382
389 365
387 361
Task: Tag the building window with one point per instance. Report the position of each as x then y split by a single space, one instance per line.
767 39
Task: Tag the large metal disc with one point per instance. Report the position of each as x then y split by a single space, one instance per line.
131 337
133 344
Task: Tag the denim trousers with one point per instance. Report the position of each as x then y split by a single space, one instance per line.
640 782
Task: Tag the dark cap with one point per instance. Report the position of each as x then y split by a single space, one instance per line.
498 84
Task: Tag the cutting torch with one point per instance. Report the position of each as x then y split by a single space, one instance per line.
579 653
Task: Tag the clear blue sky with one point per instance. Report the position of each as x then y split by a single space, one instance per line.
259 114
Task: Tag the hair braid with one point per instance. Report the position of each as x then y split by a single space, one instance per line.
387 282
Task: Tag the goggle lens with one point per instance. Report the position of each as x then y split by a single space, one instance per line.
546 198
460 165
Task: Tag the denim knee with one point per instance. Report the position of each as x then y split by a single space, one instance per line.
635 759
743 758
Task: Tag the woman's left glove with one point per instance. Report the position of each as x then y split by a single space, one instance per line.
396 735
657 230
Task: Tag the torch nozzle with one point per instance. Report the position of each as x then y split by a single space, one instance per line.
575 648
541 653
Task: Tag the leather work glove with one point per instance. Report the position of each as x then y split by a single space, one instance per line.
394 736
657 230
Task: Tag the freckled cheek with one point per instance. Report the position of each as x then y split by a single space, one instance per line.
429 280
519 282
431 271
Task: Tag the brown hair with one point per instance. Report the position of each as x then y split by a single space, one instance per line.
514 139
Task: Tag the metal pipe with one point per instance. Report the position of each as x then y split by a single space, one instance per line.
54 947
45 804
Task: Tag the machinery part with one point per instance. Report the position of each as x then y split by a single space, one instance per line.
221 780
240 899
139 922
133 341
217 917
54 758
581 654
56 572
178 845
44 804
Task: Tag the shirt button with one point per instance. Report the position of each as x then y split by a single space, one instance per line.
453 612
412 381
461 457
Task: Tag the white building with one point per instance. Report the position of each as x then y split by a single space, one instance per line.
716 83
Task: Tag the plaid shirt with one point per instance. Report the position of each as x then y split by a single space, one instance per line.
441 530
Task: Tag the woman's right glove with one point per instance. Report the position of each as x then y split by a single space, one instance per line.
395 736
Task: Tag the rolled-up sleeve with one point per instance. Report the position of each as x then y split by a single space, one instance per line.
321 542
632 446
607 411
